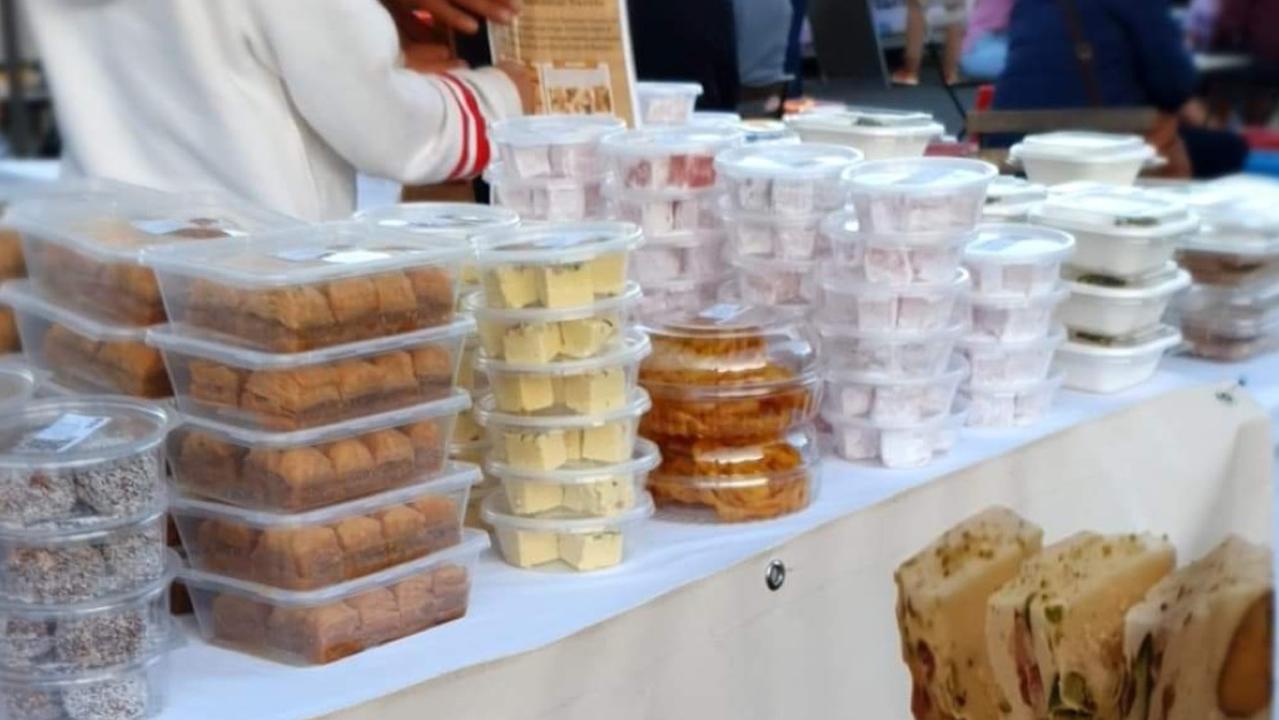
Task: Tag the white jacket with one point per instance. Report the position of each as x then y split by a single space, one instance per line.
279 101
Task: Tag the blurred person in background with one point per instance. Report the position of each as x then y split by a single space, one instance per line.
682 40
282 102
952 20
1252 27
985 49
763 37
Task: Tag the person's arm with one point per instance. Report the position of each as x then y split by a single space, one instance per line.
341 65
1164 64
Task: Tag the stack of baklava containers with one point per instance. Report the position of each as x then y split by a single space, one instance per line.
562 356
315 374
549 169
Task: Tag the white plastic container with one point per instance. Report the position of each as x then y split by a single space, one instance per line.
548 199
545 146
544 335
694 257
924 195
536 443
1119 232
852 301
1001 364
131 692
880 134
1100 307
1010 199
1017 260
1068 156
767 281
894 445
891 354
854 396
665 214
593 492
763 235
1116 364
791 180
556 266
1014 318
1016 406
666 103
558 544
667 158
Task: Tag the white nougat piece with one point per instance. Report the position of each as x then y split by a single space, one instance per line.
600 498
565 285
608 274
1210 625
606 443
941 611
536 450
529 549
511 286
586 337
538 343
523 392
530 498
595 392
594 551
1055 632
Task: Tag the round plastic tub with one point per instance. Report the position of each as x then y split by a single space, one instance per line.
1016 318
731 412
999 364
309 469
880 134
663 213
129 692
1116 364
893 445
1238 244
1015 406
948 434
79 464
554 543
895 259
1019 260
1010 199
570 494
574 387
534 335
854 396
17 388
543 146
1230 324
785 179
925 195
772 282
695 257
316 627
537 443
683 295
1100 307
891 354
556 266
1060 157
548 199
852 301
328 546
64 641
670 158
761 235
667 103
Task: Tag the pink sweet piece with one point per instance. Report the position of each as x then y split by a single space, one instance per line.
921 313
701 171
753 238
655 264
934 264
854 400
677 172
898 404
876 313
688 215
888 265
1031 406
992 410
797 243
854 442
906 448
566 203
794 197
577 161
706 260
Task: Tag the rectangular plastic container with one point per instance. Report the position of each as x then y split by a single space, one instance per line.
892 402
1101 307
694 257
576 387
1015 406
137 692
1237 245
1070 156
851 301
309 469
552 543
310 288
543 336
666 103
593 492
563 266
329 546
1014 318
667 158
551 199
928 195
321 626
281 392
530 442
888 354
80 352
998 364
1118 364
553 146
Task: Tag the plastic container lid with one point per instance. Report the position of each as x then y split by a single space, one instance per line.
731 337
52 433
474 303
1008 191
703 118
809 161
441 219
919 176
644 459
495 174
1022 302
560 243
677 140
496 512
869 121
538 130
767 131
486 413
19 295
1116 211
635 347
17 386
1083 147
1169 281
1009 244
1158 339
1248 228
659 87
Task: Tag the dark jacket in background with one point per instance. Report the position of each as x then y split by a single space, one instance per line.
688 40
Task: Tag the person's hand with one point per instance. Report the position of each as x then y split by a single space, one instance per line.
431 58
463 15
525 82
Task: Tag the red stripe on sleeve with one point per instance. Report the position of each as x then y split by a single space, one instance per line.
464 160
483 153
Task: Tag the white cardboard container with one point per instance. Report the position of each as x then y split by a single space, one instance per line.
1121 364
1101 308
1060 157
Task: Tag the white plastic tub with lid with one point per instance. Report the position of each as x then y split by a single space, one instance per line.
785 179
1109 309
1109 367
1017 260
544 146
879 133
923 195
667 158
1060 157
667 103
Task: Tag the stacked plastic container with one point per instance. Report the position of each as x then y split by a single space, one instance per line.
550 168
879 134
664 180
562 356
666 103
892 307
1121 279
1077 156
84 590
315 371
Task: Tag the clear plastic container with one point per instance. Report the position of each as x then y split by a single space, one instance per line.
1015 406
320 286
1000 364
280 392
766 281
767 132
329 546
593 492
880 134
548 199
534 335
1010 199
854 396
1069 156
928 195
1119 232
83 353
669 213
1109 308
697 257
785 180
948 435
1111 365
79 464
1230 324
564 544
892 354
1238 244
1017 260
309 469
86 250
131 692
321 626
895 259
17 387
852 301
570 442
556 266
728 344
667 103
573 387
56 567
1016 318
64 641
778 237
667 158
894 445
731 412
661 298
544 146
714 118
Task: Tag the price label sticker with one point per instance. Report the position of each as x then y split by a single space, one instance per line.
63 434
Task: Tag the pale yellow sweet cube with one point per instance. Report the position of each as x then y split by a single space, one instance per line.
492 335
601 498
565 285
573 445
606 443
595 392
587 337
528 549
594 551
536 450
530 498
537 343
522 392
608 274
511 286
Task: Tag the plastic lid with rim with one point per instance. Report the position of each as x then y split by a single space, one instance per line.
122 600
809 161
630 297
17 386
1008 244
1158 339
867 120
661 87
676 140
441 219
837 280
808 383
1084 147
843 228
486 413
635 347
1007 190
1167 282
557 244
56 433
538 130
919 176
1115 211
644 458
725 321
496 512
767 131
733 343
19 295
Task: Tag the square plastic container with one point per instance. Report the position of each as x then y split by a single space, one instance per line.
536 443
850 396
548 199
1000 364
787 180
1093 365
86 250
329 546
131 692
662 298
534 335
18 385
280 392
1016 318
667 103
880 134
575 387
1099 306
1017 260
82 353
1010 199
309 469
667 158
312 288
546 146
321 626
1016 406
568 494
697 257
79 464
925 195
556 266
893 445
891 354
553 543
1069 156
772 282
675 213
851 301
797 237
